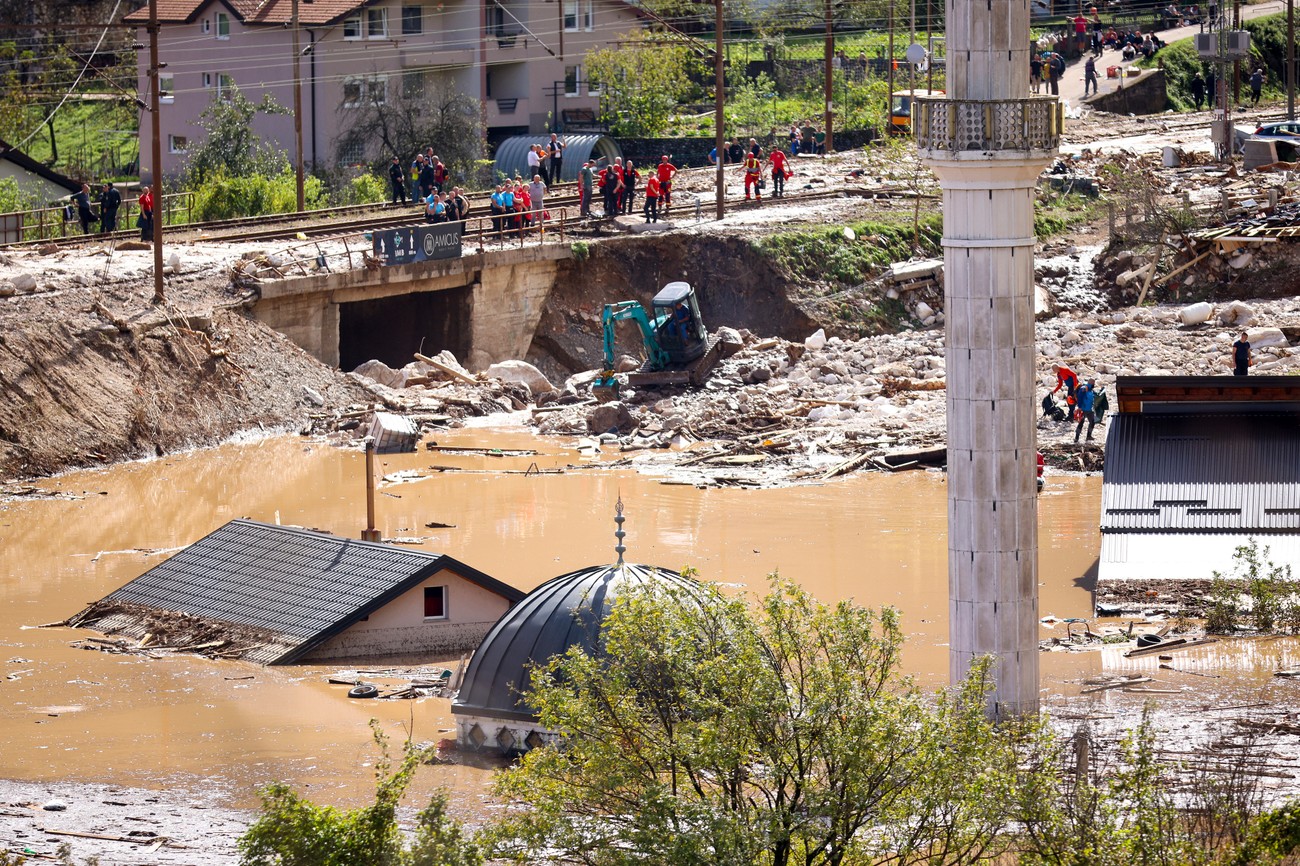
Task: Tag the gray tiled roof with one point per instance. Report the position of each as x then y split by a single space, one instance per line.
304 586
1202 472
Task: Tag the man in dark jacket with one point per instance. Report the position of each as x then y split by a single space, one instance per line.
1083 400
109 201
1241 356
397 177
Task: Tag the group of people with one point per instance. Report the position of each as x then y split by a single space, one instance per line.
109 200
617 184
515 204
1085 403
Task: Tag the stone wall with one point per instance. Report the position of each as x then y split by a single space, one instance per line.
1142 95
443 639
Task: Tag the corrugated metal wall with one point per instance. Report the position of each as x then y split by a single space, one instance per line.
512 154
1204 472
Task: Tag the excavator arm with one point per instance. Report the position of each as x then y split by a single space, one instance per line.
606 386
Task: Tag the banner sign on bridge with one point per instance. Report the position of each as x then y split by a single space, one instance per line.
419 243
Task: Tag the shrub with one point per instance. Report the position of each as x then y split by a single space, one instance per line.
222 197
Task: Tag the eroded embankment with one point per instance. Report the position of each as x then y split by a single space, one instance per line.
85 381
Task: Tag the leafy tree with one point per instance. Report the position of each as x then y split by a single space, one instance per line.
230 148
643 80
1270 587
293 831
710 732
381 122
12 197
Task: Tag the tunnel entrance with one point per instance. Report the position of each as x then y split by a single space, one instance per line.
393 329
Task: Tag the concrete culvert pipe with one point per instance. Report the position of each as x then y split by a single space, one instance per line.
512 154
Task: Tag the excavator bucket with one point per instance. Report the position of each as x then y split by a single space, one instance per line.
605 389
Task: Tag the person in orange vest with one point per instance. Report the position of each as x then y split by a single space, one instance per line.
652 192
778 161
1067 377
753 176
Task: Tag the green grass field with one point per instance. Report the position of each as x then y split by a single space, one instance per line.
96 139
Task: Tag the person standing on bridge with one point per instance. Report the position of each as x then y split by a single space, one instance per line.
586 180
397 177
145 219
537 200
630 177
556 150
665 171
460 205
109 201
652 199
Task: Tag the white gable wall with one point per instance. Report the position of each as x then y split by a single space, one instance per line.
400 628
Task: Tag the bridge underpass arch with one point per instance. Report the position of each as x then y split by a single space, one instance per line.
393 328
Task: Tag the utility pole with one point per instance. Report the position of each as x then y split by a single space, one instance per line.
297 108
830 54
889 97
719 86
155 153
1290 59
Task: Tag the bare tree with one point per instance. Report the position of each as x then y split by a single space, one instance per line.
383 118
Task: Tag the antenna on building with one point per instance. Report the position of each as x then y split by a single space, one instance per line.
619 533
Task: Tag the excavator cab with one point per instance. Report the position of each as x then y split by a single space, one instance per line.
678 325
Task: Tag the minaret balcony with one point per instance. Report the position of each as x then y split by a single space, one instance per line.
972 128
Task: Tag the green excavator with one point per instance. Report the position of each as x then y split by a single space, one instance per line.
678 348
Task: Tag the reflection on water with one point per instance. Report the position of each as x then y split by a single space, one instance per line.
74 714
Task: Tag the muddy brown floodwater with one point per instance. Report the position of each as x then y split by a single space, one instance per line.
203 726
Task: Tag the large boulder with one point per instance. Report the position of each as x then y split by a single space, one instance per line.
1263 338
609 416
23 282
378 371
1238 314
523 373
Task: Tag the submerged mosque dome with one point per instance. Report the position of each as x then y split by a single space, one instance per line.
564 612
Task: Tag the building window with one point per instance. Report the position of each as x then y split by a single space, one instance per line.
377 23
352 152
435 602
352 27
205 26
167 88
412 20
571 14
354 91
588 15
207 79
223 25
412 85
362 91
572 80
177 143
225 86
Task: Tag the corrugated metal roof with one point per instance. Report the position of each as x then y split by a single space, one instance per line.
304 586
512 154
564 612
1202 473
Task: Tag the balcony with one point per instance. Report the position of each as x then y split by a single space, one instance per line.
507 111
948 128
449 54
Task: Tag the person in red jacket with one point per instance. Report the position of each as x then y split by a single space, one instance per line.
778 161
145 219
664 171
1067 377
652 193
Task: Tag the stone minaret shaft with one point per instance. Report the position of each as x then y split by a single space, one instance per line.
987 140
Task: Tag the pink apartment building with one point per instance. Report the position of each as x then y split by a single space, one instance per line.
522 58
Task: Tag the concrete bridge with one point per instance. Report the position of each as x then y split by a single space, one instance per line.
483 307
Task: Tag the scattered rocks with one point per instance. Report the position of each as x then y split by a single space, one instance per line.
523 373
1195 314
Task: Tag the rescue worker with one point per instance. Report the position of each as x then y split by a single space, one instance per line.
652 199
753 176
665 171
778 160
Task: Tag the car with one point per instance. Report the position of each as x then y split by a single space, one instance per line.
1287 131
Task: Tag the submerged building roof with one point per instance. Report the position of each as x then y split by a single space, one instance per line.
1203 454
295 586
564 612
